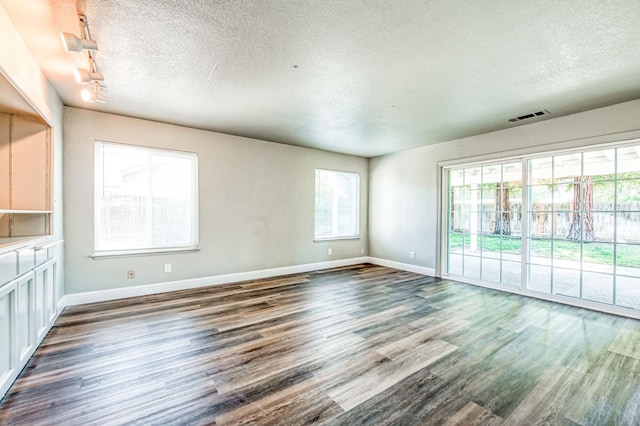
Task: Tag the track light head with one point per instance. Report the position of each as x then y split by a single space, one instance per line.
93 92
85 77
93 95
72 43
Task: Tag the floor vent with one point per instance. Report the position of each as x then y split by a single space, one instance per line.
529 116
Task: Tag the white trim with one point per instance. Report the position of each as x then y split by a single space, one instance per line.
442 221
320 240
109 254
61 306
422 270
147 289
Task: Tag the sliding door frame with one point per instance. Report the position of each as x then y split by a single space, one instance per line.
524 155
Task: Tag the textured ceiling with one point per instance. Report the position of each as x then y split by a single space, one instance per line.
359 77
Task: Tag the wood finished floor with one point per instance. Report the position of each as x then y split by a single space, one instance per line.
348 346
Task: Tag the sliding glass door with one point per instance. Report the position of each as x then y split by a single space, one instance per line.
577 213
485 222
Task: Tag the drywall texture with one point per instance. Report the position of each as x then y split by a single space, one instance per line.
403 187
256 203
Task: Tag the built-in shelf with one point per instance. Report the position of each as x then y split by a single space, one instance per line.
25 177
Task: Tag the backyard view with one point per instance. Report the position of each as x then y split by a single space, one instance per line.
580 219
568 250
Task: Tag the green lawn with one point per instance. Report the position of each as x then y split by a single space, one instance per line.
626 255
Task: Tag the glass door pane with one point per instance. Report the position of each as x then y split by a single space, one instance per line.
627 227
485 215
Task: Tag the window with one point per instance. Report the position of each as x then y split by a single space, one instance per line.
145 199
565 224
337 204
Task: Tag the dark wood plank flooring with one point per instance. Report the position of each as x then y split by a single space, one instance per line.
347 346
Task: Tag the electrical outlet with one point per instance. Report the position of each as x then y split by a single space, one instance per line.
329 251
413 254
361 251
167 268
131 274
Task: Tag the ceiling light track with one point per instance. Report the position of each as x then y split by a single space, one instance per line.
91 77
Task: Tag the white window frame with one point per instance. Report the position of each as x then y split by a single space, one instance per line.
356 213
98 185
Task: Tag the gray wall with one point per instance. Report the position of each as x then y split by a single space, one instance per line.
256 203
403 189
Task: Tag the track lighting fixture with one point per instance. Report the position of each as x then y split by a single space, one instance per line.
93 94
72 43
84 76
91 76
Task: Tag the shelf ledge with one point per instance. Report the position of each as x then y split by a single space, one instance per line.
13 211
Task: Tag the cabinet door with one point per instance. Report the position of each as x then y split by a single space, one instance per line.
40 302
8 355
51 290
25 337
8 268
46 302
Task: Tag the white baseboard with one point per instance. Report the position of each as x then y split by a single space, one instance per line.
145 290
403 266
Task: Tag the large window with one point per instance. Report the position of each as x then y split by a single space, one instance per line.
145 199
564 225
337 204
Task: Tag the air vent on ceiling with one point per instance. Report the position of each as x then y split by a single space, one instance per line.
529 116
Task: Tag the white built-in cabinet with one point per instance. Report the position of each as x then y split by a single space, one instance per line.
28 308
29 253
8 323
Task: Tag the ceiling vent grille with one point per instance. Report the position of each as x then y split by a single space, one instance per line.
529 116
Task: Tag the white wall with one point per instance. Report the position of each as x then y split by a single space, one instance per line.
256 203
17 63
21 69
403 187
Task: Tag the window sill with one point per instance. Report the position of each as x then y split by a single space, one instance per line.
317 240
143 252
